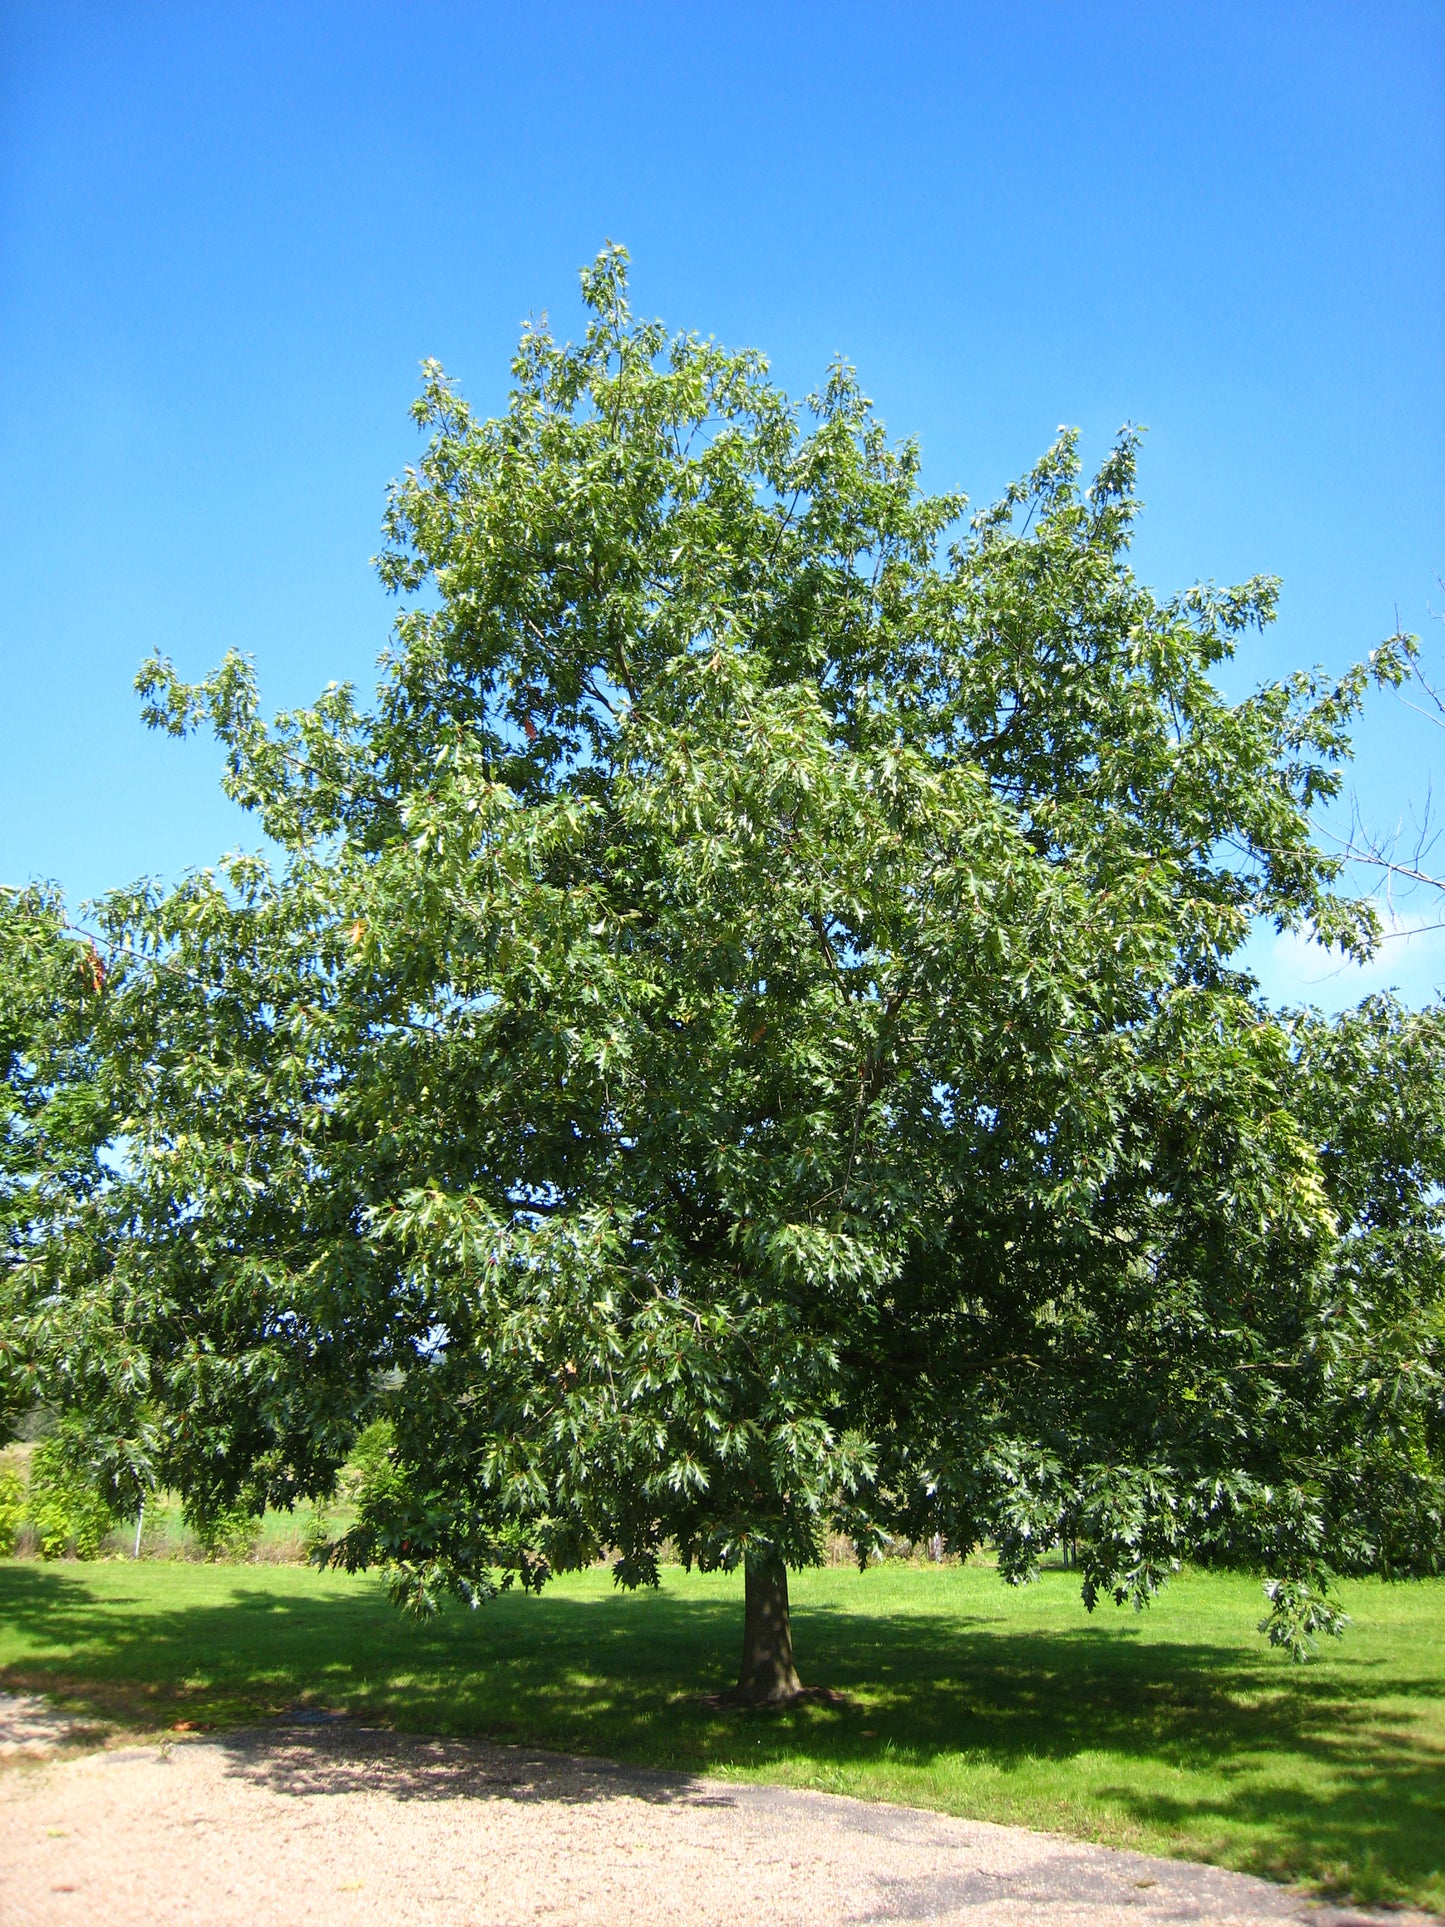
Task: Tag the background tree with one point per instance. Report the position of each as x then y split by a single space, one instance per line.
52 1119
71 1357
1371 1091
741 1042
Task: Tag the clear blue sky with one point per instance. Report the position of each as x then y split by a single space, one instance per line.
229 232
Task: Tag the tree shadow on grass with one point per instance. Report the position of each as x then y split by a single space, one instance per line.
1360 1805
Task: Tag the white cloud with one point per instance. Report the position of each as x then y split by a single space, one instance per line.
1410 961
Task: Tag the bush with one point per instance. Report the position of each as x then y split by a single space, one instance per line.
68 1513
12 1508
316 1533
370 1460
230 1533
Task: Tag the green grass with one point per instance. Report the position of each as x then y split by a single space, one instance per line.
1176 1730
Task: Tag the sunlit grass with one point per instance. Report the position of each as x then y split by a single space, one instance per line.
1177 1730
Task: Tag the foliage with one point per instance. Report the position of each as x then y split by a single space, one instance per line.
68 1512
371 1459
1371 1092
741 1041
12 1507
226 1532
53 1125
316 1534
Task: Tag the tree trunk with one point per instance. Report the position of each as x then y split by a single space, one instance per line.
768 1676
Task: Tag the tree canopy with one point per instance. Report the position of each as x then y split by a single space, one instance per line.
743 1039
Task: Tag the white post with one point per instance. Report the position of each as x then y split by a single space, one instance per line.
140 1519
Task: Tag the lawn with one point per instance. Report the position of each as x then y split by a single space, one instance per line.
1176 1730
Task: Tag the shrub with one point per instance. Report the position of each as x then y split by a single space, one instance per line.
229 1533
370 1460
68 1513
12 1508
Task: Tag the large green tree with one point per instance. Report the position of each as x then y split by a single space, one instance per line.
740 1041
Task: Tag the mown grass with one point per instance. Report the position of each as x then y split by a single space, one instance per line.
1176 1730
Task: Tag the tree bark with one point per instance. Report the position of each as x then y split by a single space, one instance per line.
768 1676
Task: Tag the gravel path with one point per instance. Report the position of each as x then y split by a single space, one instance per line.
333 1822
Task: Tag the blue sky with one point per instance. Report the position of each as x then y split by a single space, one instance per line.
229 233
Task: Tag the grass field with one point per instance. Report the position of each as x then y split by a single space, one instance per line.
1176 1730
